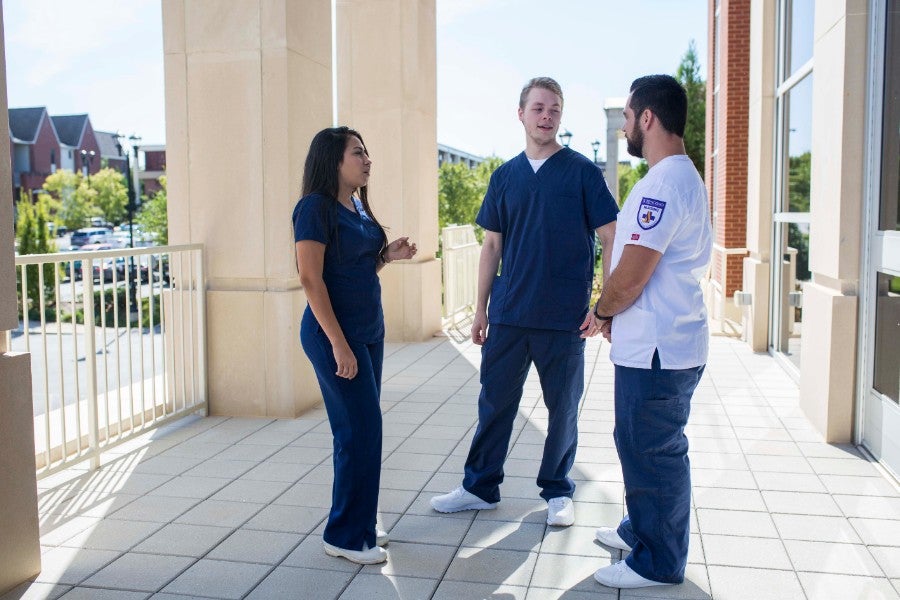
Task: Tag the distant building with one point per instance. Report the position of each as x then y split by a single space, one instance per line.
40 144
154 167
111 154
452 155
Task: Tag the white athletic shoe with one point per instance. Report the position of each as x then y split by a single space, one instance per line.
366 556
609 536
459 499
381 537
620 575
560 511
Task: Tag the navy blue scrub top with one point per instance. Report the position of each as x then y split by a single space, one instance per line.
547 220
351 252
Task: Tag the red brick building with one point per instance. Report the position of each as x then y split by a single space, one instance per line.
727 98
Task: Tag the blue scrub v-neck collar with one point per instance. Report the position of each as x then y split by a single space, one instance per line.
537 174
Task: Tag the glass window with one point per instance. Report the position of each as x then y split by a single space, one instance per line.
890 134
800 49
798 142
792 274
887 336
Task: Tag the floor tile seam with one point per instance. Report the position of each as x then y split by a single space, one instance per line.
119 554
167 582
416 359
429 415
443 574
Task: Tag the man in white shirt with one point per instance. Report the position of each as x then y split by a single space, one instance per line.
652 311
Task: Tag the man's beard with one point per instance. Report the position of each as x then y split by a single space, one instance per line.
636 142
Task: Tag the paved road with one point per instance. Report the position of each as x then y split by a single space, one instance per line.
66 366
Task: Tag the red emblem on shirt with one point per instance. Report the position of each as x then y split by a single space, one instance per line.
635 236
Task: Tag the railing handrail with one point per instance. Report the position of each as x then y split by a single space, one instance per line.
122 394
37 259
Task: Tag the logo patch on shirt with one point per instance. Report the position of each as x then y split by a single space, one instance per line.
635 236
650 213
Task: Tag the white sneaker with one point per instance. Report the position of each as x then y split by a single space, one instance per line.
381 537
366 556
560 511
459 499
620 575
609 536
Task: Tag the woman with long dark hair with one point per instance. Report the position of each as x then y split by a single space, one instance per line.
340 248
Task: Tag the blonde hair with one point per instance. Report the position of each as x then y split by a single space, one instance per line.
546 83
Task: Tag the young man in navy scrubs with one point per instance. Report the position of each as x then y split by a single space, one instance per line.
653 314
540 214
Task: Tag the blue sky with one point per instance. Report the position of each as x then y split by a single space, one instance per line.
104 57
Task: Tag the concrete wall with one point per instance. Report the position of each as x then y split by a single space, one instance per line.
760 158
20 551
246 90
387 90
828 346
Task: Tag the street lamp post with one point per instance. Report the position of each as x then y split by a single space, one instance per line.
87 157
565 137
131 207
595 146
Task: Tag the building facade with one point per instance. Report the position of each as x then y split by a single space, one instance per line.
820 263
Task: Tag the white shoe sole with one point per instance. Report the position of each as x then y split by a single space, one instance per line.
469 506
611 541
354 555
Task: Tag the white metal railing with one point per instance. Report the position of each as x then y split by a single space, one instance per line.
117 343
460 252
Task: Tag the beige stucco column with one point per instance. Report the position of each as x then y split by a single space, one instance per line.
247 86
828 345
20 550
615 120
760 160
386 65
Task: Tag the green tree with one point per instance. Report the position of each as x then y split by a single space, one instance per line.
799 176
628 176
74 198
688 74
111 194
461 190
34 238
153 217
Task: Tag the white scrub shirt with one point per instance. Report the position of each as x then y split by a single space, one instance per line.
666 211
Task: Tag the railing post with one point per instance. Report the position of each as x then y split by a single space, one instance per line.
90 359
201 331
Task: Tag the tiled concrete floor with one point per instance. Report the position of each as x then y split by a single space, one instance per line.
234 508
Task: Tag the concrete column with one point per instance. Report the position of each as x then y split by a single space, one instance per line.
247 87
20 550
387 90
760 160
828 347
615 120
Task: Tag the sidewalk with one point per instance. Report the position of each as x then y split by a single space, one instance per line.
234 508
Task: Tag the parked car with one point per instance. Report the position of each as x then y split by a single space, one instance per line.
75 268
89 235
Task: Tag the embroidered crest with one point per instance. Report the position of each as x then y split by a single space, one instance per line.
635 236
650 213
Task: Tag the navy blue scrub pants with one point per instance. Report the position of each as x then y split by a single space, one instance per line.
652 408
354 413
506 356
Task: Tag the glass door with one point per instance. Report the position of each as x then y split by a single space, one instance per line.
879 362
793 161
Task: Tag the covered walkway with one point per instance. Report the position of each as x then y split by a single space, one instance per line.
234 508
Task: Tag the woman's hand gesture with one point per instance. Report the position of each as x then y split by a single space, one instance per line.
399 249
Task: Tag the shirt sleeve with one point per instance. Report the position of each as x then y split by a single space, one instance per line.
489 213
600 206
658 218
310 222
